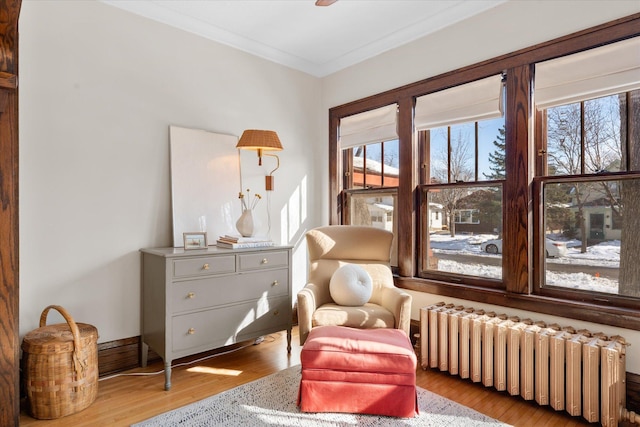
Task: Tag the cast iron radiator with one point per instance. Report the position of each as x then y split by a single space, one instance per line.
577 371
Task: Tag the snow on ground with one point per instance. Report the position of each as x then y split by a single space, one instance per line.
470 269
582 281
605 254
460 243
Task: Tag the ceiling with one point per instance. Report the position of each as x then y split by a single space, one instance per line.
296 33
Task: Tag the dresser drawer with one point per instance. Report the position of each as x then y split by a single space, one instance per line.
220 290
276 317
262 260
204 265
223 325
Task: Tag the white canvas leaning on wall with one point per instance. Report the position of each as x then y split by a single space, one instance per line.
205 181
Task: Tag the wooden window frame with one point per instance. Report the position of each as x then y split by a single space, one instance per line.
424 270
374 192
539 260
349 174
520 158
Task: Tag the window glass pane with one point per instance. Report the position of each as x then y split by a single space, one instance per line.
453 160
373 161
589 137
491 149
592 236
375 165
438 150
376 210
630 128
358 167
463 153
453 155
464 230
564 140
374 152
391 159
603 148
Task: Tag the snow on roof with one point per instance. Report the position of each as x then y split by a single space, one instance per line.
386 208
375 166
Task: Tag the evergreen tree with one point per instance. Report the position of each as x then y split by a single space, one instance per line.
497 157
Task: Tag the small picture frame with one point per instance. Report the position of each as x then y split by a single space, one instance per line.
195 240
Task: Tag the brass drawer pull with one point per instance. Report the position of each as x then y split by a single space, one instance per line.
275 283
264 261
205 267
191 331
191 295
276 312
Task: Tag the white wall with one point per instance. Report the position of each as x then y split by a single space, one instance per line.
490 34
98 89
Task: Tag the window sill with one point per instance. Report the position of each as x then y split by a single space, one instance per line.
588 312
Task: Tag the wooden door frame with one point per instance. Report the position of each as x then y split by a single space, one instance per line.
9 239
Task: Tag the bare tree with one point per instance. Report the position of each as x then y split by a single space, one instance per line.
360 213
585 138
564 148
391 157
603 137
453 164
629 279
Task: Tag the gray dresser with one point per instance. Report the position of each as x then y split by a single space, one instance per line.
199 300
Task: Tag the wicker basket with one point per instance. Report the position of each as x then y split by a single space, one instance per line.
60 366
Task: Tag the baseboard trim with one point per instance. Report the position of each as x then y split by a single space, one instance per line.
120 355
633 392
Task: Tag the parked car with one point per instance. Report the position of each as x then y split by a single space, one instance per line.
553 249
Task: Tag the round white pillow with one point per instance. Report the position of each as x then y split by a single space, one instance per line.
350 285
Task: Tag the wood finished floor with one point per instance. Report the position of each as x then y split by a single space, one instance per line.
124 400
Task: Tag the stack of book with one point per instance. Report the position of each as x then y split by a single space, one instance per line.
236 242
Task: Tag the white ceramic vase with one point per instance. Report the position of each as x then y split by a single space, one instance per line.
245 223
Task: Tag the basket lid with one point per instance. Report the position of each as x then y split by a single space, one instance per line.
57 338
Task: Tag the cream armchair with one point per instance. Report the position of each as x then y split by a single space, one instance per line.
331 247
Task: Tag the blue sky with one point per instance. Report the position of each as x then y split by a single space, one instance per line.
488 132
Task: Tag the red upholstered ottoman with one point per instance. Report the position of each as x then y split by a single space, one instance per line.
365 371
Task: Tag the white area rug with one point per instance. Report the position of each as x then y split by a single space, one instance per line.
271 401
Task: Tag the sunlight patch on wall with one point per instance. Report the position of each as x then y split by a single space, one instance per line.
303 200
294 214
284 220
